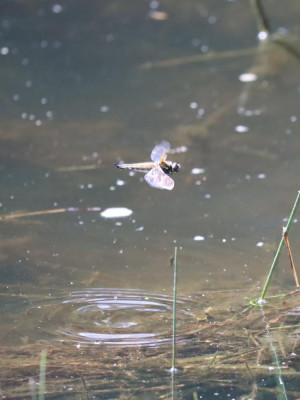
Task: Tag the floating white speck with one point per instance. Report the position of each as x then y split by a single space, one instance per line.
197 171
260 244
120 182
247 77
199 238
261 301
241 128
49 114
104 109
57 8
200 112
249 113
193 105
263 35
261 176
4 51
116 212
154 4
158 15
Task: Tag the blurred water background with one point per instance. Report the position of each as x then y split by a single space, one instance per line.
87 84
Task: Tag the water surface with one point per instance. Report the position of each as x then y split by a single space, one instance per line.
85 87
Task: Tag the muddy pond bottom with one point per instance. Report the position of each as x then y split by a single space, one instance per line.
116 317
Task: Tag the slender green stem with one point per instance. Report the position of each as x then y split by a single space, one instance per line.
42 385
174 312
286 230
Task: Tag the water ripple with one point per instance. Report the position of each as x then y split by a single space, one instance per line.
120 317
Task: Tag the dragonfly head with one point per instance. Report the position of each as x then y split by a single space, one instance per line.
175 167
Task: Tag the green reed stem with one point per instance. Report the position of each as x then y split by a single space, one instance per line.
42 385
286 230
173 369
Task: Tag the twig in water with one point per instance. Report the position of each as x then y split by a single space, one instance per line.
45 212
287 243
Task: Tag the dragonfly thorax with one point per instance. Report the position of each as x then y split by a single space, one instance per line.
169 167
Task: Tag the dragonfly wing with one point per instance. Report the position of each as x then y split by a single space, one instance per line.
158 179
160 151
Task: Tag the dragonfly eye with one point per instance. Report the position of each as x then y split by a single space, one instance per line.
176 167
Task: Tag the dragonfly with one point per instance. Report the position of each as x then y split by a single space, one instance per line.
158 170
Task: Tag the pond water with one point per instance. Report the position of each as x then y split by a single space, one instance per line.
85 247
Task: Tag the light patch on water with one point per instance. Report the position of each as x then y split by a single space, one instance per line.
4 51
104 109
199 238
154 4
248 77
259 244
261 176
158 15
261 301
241 128
263 35
197 171
249 113
57 8
116 212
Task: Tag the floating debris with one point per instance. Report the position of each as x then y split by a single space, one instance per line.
116 212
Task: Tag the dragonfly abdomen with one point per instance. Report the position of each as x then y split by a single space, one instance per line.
139 167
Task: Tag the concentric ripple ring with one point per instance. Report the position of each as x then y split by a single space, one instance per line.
119 317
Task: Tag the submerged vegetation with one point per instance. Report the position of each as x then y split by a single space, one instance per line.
212 341
227 347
